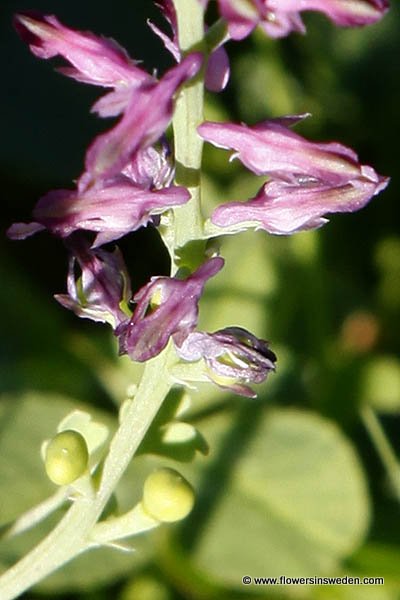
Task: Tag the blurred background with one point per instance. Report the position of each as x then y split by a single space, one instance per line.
300 482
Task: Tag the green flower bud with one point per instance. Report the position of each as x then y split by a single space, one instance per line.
167 496
66 457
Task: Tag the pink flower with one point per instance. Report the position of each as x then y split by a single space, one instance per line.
233 357
271 148
166 306
111 209
278 18
308 179
102 286
96 60
145 119
284 208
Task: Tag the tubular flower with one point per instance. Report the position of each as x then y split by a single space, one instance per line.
278 18
145 119
102 287
146 104
166 306
112 209
95 60
217 69
308 179
283 208
233 357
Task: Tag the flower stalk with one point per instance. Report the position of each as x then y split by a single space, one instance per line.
188 116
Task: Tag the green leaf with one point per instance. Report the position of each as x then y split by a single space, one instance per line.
293 500
25 422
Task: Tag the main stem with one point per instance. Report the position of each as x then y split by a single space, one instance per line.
188 116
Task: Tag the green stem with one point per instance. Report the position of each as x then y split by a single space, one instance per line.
188 116
382 446
72 534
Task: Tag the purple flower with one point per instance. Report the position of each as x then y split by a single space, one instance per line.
217 68
309 179
102 287
111 209
233 357
278 18
146 117
151 168
95 60
166 306
271 148
284 208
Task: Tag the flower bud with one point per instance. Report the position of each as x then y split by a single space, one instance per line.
233 357
167 496
66 457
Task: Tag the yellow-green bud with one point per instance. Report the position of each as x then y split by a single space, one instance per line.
167 496
66 457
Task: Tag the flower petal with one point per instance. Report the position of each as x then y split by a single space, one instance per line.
102 286
145 120
271 148
283 209
233 357
279 18
112 209
96 60
166 306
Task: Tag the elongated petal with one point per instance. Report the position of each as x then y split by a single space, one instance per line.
20 231
278 18
281 208
233 357
271 148
112 210
166 306
348 13
171 43
101 288
94 59
145 119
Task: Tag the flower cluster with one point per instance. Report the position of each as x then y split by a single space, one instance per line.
128 181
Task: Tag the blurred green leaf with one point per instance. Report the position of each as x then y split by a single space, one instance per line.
145 587
295 503
237 296
25 422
